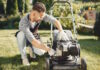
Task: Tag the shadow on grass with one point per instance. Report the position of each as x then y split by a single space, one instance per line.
90 45
44 34
13 60
14 63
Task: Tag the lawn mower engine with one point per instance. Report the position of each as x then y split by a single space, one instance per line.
67 48
67 55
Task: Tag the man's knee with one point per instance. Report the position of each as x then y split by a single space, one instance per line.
20 34
21 40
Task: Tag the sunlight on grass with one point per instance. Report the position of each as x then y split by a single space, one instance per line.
90 50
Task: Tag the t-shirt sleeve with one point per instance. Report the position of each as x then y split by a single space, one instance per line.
49 18
23 26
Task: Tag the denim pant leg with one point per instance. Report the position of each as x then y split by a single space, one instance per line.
21 40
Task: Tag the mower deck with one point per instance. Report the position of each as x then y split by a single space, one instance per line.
63 64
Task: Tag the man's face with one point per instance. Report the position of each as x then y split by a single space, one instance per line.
38 16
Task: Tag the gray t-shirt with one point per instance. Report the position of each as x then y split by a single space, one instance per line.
25 25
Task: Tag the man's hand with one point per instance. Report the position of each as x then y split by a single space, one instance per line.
37 44
62 36
51 52
40 46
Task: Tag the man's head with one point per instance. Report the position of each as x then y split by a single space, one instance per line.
38 12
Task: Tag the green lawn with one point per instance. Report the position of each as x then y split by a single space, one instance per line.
10 55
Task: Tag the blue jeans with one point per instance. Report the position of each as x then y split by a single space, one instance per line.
21 40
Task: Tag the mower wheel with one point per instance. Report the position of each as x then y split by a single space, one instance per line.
83 64
48 64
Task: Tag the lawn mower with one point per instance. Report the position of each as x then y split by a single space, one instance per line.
67 56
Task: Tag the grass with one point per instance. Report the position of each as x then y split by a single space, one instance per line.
90 50
10 55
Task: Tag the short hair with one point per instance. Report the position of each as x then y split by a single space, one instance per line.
40 7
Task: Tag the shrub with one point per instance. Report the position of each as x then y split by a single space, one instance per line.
21 6
2 10
64 11
10 23
26 6
12 7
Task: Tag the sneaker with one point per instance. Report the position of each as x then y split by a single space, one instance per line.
32 59
25 62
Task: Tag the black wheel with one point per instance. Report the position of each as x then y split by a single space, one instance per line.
78 46
79 51
48 65
83 64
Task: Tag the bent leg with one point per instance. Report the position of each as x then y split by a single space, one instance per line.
21 40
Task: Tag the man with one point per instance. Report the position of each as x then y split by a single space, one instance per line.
28 23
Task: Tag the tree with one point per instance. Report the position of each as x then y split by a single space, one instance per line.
34 1
26 6
91 0
95 0
12 7
21 4
2 10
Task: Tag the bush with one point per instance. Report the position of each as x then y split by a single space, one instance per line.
2 10
26 6
3 24
21 5
64 11
44 25
10 23
12 7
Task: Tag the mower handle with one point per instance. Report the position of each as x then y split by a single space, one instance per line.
66 41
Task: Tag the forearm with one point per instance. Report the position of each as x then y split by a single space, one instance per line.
36 43
58 25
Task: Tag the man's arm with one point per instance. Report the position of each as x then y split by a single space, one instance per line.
40 45
58 25
54 21
36 43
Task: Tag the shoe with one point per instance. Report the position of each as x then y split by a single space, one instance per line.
32 59
46 55
25 62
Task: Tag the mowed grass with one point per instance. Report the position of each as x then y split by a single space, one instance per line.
10 55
